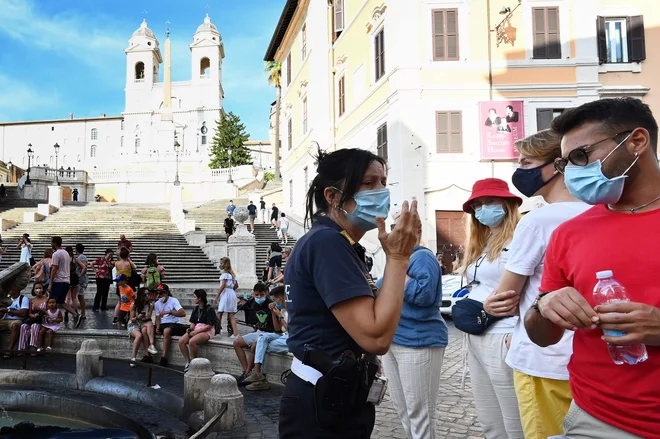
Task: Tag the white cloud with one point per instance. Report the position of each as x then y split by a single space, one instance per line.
93 40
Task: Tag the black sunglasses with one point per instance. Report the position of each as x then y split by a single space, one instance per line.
580 156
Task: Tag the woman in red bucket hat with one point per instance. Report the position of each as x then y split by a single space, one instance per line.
492 218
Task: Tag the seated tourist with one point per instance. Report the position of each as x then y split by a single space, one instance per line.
202 327
51 324
12 316
140 326
31 328
168 314
258 315
267 343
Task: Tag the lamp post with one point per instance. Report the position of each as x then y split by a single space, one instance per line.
230 181
261 166
30 153
57 175
176 150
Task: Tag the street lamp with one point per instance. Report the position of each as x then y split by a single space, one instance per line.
261 166
57 151
230 181
30 153
176 149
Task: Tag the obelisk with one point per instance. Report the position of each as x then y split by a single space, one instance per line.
166 128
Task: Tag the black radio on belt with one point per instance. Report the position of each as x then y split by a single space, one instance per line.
346 382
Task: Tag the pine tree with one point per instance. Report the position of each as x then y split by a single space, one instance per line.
230 134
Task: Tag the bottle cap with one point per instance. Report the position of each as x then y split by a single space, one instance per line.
604 274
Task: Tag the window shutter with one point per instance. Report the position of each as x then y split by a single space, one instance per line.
636 40
553 41
288 69
289 130
538 24
339 15
544 117
442 128
602 39
455 132
452 34
438 35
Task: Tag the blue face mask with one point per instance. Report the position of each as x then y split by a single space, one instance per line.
490 215
260 300
589 184
530 181
278 306
369 205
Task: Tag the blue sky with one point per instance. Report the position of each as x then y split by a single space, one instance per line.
63 56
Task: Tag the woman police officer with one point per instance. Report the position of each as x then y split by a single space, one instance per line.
336 323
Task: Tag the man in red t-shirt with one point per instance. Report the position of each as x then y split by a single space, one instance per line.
603 141
123 242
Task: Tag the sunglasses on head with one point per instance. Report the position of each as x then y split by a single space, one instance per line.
580 155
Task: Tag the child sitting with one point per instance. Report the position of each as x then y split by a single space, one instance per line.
141 327
51 324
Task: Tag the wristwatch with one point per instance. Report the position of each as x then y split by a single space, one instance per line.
535 305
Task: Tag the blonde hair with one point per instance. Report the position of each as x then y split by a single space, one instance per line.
544 145
225 263
480 238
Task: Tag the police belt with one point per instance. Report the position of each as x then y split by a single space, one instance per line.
304 372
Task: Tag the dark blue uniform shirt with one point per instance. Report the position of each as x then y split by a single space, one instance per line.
323 270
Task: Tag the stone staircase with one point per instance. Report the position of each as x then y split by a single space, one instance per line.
14 206
98 226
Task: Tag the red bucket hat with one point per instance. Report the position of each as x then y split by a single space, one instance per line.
490 187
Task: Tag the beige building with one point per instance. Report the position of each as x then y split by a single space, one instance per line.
426 83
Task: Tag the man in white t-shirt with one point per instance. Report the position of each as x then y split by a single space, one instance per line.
60 278
540 374
12 317
168 312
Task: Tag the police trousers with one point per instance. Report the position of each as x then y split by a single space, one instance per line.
299 418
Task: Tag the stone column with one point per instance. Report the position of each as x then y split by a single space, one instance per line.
195 384
88 363
224 390
242 250
55 194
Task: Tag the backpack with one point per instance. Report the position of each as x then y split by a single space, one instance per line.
152 278
41 273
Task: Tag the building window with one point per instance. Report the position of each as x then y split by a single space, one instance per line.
92 151
139 72
306 176
78 158
122 125
449 135
304 120
289 134
95 134
621 40
121 142
342 95
379 54
288 70
137 144
338 18
203 140
545 116
381 141
204 68
303 43
445 35
51 160
290 193
545 27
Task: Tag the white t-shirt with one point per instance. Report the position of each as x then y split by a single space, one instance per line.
229 285
25 304
489 274
528 247
284 223
172 304
62 261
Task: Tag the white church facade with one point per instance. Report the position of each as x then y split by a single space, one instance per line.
139 145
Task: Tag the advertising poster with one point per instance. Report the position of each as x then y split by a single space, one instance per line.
501 124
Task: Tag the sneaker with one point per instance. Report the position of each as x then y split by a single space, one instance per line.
132 359
240 382
260 385
147 359
233 337
164 362
79 319
114 321
186 367
152 349
255 377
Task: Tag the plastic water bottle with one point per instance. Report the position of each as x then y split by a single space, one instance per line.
608 290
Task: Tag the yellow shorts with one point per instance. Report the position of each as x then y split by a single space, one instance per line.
543 404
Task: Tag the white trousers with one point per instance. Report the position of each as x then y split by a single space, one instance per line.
492 387
414 383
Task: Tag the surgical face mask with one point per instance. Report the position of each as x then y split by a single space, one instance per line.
260 300
530 181
278 306
589 184
490 215
368 206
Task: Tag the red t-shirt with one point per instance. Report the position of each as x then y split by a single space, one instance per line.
625 396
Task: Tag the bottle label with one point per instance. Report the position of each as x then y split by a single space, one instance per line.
613 333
